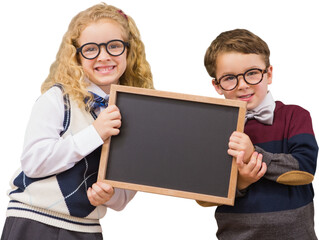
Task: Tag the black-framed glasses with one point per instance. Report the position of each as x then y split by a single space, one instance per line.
91 50
252 77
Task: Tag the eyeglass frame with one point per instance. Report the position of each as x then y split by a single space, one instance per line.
125 44
217 81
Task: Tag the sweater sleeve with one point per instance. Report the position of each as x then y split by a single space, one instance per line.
120 199
297 165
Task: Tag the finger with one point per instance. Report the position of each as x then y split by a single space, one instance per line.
106 187
114 132
235 139
238 135
114 115
98 193
96 200
232 152
104 191
111 108
262 171
256 159
239 160
88 193
116 123
90 197
234 145
251 165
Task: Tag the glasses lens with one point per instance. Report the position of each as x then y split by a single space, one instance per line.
228 82
90 50
253 76
115 48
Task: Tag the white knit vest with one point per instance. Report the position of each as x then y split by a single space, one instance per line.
60 200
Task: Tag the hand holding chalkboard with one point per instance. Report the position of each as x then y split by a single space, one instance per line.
162 148
108 122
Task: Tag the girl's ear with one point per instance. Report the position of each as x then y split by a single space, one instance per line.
217 87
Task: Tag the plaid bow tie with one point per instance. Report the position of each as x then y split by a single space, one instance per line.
97 101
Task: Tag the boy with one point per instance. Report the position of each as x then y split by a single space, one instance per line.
276 200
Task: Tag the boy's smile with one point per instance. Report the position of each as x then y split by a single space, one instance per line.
237 63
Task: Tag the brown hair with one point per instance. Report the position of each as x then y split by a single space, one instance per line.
237 40
67 69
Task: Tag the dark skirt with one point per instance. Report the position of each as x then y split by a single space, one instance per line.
16 228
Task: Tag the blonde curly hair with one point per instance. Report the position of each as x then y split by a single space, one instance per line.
67 70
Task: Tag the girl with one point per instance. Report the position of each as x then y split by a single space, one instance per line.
54 194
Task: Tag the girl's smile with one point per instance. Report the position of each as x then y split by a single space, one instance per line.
105 69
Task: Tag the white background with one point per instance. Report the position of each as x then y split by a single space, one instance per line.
176 35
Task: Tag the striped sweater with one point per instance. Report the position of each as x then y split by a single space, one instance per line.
279 205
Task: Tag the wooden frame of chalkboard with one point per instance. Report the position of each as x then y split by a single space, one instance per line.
173 144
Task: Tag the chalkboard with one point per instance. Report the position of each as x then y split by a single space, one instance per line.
173 144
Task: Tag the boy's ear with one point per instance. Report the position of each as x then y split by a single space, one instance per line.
217 87
269 74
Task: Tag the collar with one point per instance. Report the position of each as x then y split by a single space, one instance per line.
96 89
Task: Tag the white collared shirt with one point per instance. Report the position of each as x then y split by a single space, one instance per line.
46 153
